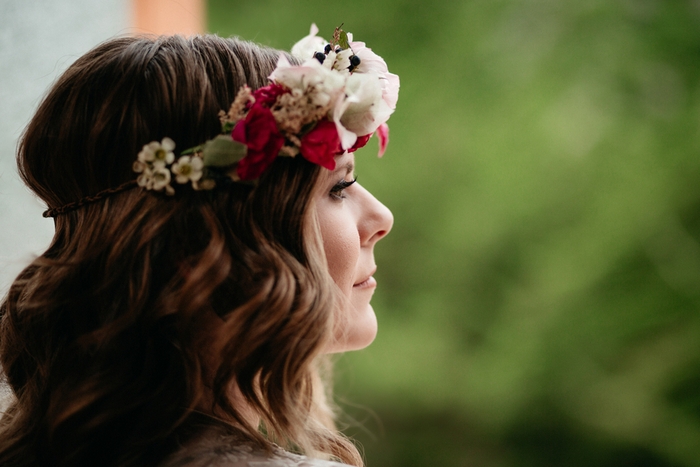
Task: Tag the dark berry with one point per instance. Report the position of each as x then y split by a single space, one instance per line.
354 61
328 49
338 50
320 56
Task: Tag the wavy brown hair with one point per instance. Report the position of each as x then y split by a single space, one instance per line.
106 339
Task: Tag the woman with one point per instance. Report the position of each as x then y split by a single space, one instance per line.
183 310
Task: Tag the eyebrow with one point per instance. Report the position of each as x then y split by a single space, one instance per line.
349 168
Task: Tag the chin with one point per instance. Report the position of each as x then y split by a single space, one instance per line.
356 332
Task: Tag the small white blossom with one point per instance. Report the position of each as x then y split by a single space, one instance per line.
146 155
161 180
157 180
139 166
187 168
158 164
145 179
155 151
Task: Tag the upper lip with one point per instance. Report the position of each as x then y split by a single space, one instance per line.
367 276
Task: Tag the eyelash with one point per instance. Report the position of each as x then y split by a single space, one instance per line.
338 188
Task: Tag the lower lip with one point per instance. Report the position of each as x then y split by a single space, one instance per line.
367 284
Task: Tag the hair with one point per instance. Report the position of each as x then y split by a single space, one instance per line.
149 317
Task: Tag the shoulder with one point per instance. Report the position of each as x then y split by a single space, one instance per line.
229 453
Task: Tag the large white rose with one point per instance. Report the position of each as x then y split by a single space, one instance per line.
364 108
373 63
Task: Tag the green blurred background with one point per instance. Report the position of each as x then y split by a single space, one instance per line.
538 297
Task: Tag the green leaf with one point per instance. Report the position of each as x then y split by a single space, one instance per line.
226 127
340 38
343 40
223 151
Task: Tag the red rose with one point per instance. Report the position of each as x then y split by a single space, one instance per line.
267 95
361 141
321 144
258 131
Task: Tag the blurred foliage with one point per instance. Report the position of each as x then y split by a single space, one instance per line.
538 297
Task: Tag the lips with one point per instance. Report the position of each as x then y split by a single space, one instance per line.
371 282
367 281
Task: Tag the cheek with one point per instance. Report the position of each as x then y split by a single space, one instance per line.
355 323
342 247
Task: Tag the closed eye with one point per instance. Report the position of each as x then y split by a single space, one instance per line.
337 192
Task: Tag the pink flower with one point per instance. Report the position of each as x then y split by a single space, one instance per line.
258 131
383 135
321 145
373 63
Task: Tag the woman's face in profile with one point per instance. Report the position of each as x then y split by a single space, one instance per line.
351 222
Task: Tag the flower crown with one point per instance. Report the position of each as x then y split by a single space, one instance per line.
333 102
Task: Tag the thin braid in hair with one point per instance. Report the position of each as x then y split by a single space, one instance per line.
89 199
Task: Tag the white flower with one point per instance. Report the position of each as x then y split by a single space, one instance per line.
187 168
358 101
342 60
158 164
329 61
347 137
146 178
155 179
146 154
139 166
161 180
362 111
155 151
309 45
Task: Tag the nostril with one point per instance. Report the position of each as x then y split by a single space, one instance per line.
380 234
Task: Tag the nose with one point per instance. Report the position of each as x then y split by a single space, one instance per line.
375 219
